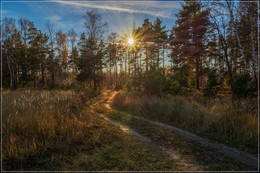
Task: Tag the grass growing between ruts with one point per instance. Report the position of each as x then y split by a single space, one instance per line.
206 158
55 130
216 119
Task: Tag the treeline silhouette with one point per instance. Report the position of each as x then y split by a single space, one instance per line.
212 45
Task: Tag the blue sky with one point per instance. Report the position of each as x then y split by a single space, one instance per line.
65 15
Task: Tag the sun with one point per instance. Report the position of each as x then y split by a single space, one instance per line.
131 41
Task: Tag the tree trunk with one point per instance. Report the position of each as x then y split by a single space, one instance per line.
110 73
53 79
11 74
129 58
238 37
241 50
158 60
134 61
140 60
225 49
95 85
34 80
163 56
253 52
229 68
223 43
146 59
95 80
125 66
116 73
42 74
197 74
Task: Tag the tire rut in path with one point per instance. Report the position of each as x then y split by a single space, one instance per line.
174 155
230 152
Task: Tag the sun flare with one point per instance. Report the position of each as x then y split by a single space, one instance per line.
131 41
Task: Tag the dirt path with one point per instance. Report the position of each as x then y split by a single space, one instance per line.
230 152
178 160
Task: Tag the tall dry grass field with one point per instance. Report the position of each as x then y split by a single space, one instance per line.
34 121
56 131
217 119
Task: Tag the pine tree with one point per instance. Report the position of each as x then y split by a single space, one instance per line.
62 48
159 39
188 38
91 59
51 62
11 50
146 39
38 51
112 54
247 28
73 58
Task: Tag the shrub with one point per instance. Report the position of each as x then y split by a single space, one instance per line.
243 87
211 83
181 76
127 86
177 81
173 86
137 79
154 81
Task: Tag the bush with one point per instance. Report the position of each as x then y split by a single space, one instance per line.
243 87
181 76
173 86
154 81
211 83
127 86
137 79
177 81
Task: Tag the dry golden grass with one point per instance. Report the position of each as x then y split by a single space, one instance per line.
216 119
35 120
56 131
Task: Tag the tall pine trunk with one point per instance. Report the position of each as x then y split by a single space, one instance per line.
11 72
197 74
110 73
146 59
42 75
53 79
253 52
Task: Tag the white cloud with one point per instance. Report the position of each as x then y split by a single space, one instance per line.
4 11
53 19
152 4
151 8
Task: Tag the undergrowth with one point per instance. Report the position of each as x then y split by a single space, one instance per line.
216 119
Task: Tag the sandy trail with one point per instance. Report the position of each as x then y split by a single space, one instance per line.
229 152
178 160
